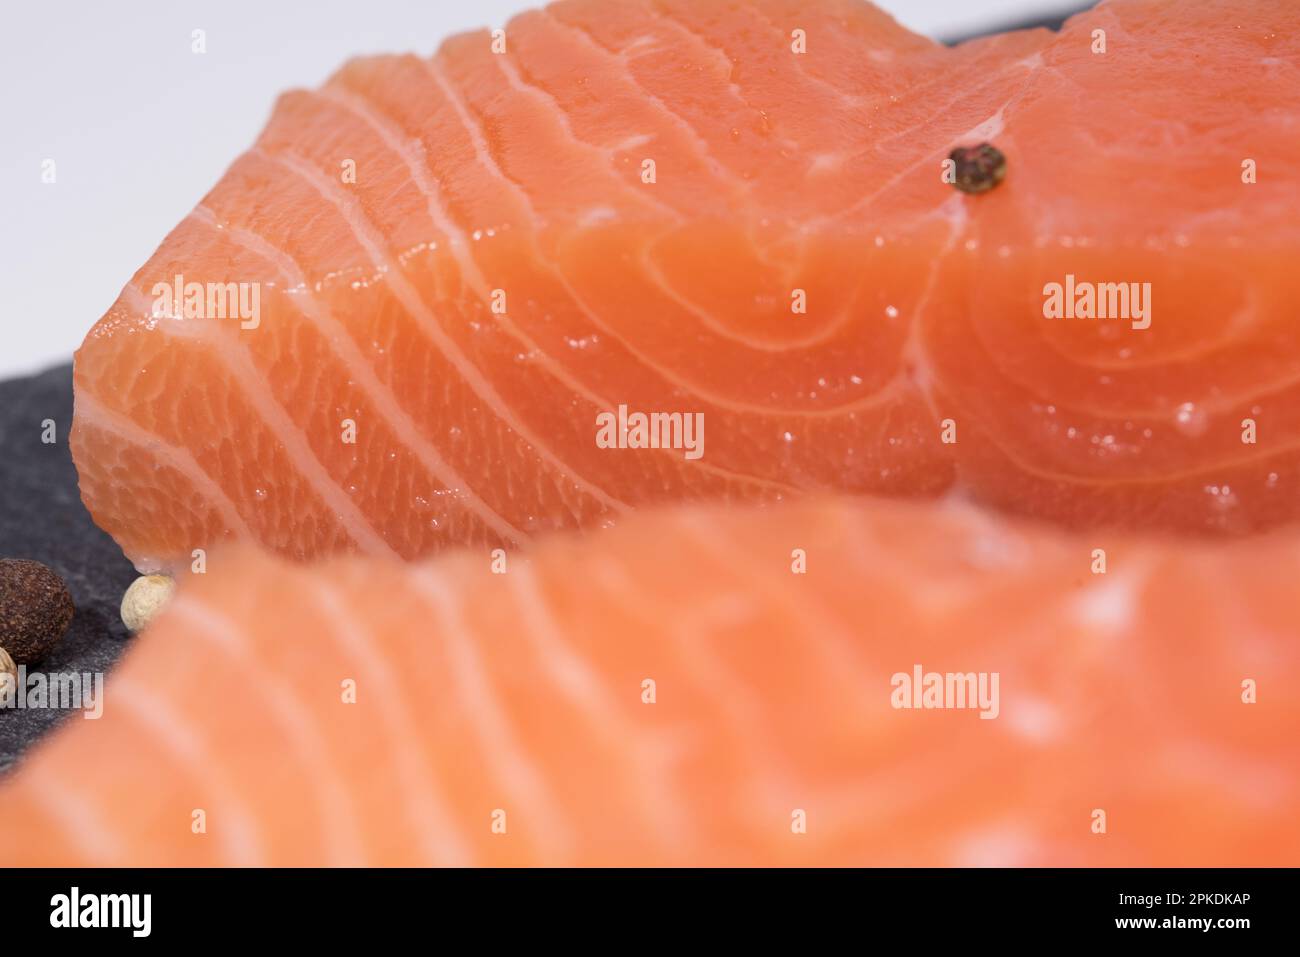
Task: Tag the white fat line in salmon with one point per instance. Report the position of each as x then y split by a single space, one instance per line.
1107 300
948 690
213 300
133 911
651 430
59 692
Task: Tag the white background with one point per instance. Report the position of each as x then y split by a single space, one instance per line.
140 128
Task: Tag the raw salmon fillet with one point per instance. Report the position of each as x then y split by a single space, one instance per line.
523 693
462 257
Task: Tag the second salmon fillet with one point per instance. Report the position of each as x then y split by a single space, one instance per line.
701 687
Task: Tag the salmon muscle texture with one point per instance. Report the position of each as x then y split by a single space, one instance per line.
675 691
438 274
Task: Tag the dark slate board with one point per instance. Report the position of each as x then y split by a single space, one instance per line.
1052 21
42 518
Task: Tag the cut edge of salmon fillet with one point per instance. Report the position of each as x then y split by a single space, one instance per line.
476 427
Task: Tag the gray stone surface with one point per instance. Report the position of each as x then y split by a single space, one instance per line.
42 518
